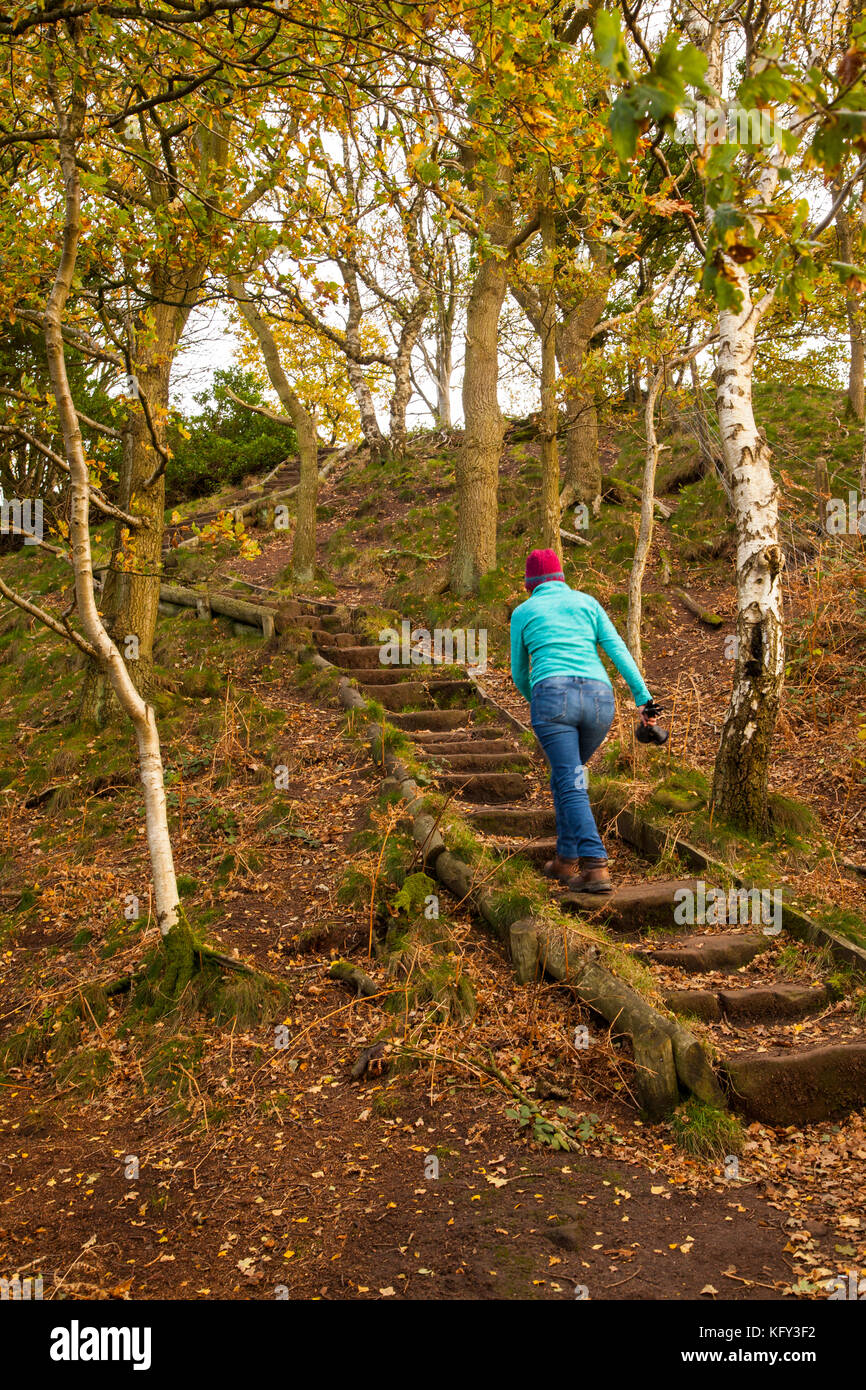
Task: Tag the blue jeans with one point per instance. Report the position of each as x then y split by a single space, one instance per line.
571 716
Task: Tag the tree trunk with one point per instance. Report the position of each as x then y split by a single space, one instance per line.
131 601
444 358
474 551
645 534
403 372
705 443
550 537
582 472
742 763
855 320
140 713
373 436
304 543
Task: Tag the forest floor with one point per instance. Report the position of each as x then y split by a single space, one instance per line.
192 1159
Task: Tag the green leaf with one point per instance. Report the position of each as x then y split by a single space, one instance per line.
610 46
623 128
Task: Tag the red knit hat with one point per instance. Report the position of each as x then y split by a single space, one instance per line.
541 567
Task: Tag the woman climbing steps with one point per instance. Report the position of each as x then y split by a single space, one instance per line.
555 666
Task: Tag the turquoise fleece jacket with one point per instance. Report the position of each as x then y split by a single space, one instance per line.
556 632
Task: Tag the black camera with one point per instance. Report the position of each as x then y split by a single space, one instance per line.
651 733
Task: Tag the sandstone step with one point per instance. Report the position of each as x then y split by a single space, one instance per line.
481 762
700 1003
453 746
754 1004
782 1000
368 658
722 951
406 693
396 697
484 786
386 675
800 1086
537 851
633 906
338 639
433 719
514 820
325 607
468 739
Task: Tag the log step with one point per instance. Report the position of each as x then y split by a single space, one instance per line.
723 951
532 822
754 1004
634 906
798 1087
484 786
433 719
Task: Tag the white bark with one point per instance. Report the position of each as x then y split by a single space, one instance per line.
645 534
742 762
140 713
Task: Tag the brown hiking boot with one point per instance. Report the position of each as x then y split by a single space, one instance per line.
594 877
562 869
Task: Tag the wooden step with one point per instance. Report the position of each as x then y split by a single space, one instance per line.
484 786
533 822
753 1004
719 951
800 1086
633 906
